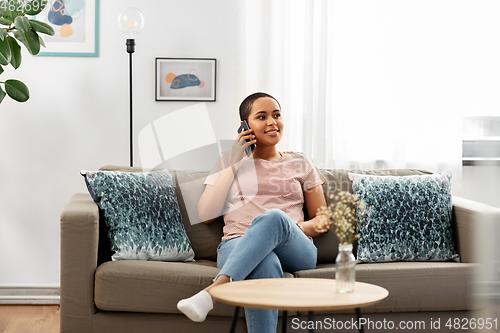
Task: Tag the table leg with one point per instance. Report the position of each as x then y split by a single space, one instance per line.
235 319
284 321
358 315
311 319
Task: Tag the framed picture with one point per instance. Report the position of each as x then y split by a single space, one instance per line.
180 79
76 26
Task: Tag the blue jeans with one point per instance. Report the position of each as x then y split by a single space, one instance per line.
272 244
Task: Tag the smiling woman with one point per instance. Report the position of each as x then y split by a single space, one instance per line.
265 230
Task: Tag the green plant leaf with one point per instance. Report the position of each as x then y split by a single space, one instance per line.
4 21
42 43
3 33
17 90
5 53
22 23
15 48
2 94
30 40
35 7
42 27
8 15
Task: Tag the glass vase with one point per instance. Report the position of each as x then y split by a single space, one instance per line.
345 269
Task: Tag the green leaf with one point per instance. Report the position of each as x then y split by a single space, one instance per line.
1 69
2 95
42 27
30 40
4 21
5 53
17 90
7 14
22 23
40 39
16 52
35 7
3 34
7 19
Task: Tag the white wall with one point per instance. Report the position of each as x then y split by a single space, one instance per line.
77 118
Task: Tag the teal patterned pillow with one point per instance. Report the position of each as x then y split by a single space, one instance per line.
141 213
409 220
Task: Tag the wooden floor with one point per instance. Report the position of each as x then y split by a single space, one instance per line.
29 318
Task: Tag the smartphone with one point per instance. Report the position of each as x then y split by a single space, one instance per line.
244 127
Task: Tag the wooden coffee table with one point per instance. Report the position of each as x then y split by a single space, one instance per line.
295 294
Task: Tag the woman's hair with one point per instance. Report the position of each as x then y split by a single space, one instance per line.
246 105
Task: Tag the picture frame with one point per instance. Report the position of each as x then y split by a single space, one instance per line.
186 79
76 28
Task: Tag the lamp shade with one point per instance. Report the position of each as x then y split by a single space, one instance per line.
131 22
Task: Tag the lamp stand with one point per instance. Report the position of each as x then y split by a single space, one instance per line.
131 49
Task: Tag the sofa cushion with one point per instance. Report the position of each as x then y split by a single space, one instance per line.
412 286
146 286
141 213
338 180
409 218
150 286
189 187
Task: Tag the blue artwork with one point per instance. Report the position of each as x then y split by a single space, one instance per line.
73 6
57 14
63 12
184 81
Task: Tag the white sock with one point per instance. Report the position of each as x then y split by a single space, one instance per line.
196 307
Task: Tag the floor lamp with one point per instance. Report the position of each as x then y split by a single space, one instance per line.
131 22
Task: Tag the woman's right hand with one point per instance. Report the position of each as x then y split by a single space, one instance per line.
213 199
238 150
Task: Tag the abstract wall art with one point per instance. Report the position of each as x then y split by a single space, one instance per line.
179 79
76 26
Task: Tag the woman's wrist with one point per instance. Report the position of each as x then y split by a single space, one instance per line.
234 166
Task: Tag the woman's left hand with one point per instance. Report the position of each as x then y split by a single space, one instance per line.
315 227
315 200
322 224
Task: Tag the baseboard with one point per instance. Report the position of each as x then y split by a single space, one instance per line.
29 295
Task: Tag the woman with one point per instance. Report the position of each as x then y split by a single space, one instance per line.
262 198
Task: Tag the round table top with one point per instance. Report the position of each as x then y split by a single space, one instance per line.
304 294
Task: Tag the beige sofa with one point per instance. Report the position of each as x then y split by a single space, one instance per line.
99 295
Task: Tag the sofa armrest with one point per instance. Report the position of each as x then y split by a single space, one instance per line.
79 248
471 220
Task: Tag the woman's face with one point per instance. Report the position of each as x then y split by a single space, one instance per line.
265 121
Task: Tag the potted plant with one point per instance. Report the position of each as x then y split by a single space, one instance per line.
16 27
344 213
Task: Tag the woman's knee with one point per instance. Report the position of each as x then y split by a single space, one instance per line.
274 216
